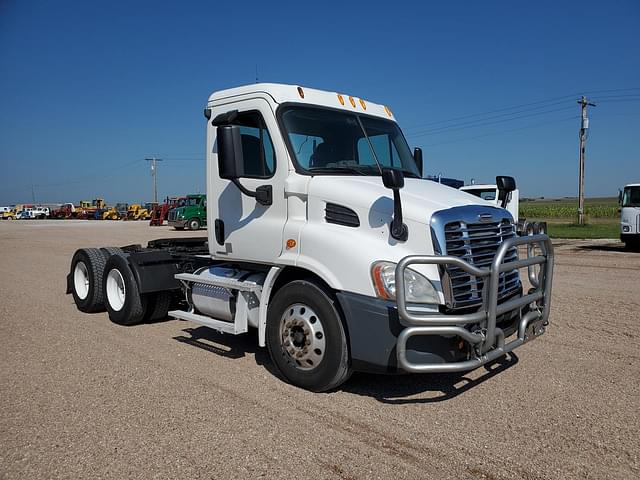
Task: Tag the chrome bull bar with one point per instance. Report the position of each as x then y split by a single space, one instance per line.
488 341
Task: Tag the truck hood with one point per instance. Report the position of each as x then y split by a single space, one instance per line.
420 197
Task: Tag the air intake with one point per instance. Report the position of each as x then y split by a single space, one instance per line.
341 215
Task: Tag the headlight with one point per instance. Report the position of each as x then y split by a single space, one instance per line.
418 288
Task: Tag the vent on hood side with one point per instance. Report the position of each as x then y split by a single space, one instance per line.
341 215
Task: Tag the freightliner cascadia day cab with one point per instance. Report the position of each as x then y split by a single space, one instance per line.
324 237
630 215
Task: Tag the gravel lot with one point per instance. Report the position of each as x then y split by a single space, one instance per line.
84 398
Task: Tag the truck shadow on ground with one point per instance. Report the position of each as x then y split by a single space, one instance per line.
606 247
228 346
389 389
424 388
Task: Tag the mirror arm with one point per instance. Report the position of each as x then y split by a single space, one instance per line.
263 194
399 230
505 200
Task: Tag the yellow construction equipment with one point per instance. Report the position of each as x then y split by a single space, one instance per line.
111 214
137 212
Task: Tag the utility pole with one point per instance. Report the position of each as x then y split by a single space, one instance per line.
154 174
584 126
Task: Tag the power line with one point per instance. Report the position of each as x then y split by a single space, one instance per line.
533 125
441 130
539 102
481 114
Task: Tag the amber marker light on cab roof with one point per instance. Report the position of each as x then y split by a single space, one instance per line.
341 99
352 101
363 105
386 109
300 92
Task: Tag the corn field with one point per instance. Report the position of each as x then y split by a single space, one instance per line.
594 208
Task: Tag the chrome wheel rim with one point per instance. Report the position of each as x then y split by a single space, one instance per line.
81 280
302 336
116 290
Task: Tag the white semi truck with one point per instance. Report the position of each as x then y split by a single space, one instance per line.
630 215
324 237
511 202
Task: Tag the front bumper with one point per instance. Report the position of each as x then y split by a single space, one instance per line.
177 223
390 337
485 341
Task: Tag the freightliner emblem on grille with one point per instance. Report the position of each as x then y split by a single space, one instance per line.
485 217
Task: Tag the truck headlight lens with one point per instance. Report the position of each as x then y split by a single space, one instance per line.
418 288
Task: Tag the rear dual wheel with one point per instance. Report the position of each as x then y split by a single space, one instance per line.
87 266
123 300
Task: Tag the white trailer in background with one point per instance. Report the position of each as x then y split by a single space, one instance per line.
630 215
491 194
325 238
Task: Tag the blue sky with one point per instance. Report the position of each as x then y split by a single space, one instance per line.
89 89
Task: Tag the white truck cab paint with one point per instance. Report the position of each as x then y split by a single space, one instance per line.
323 236
630 215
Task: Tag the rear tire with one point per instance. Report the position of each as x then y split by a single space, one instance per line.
87 266
108 251
306 338
125 304
158 306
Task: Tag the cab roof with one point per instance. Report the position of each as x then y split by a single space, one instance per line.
283 93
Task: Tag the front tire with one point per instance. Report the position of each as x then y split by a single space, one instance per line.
306 338
125 304
194 224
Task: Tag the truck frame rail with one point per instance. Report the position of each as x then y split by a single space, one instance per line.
487 341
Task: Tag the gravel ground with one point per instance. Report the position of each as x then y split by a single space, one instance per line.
84 398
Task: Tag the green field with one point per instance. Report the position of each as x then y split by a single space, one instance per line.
601 216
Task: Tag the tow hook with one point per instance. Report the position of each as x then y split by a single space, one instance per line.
534 329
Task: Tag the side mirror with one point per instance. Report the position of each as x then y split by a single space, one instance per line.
620 197
230 160
505 185
417 156
392 178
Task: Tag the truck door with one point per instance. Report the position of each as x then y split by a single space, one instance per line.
252 232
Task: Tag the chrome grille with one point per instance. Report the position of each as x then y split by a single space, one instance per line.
172 215
477 244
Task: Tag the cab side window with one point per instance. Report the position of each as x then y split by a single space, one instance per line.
257 148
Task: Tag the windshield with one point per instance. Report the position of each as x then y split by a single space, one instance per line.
631 197
483 193
192 202
327 141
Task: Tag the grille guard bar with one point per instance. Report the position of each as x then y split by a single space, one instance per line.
488 341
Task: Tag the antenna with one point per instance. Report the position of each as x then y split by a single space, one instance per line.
256 73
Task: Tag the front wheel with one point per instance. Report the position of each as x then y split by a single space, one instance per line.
194 224
306 338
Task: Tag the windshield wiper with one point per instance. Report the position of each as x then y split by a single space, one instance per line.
336 170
